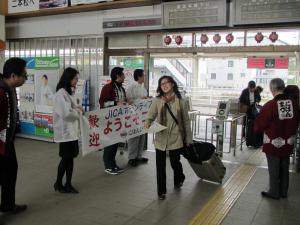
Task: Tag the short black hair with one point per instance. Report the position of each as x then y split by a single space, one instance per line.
14 65
116 71
251 84
45 76
138 73
66 78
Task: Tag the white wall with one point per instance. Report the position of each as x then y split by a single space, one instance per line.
2 37
87 23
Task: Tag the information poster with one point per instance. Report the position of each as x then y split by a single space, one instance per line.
46 79
26 99
44 125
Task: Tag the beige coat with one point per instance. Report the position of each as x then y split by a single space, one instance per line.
170 138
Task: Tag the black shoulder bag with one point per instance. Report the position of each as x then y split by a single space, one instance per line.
197 151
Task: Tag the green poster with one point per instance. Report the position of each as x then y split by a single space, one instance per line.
134 63
43 125
44 132
48 63
270 63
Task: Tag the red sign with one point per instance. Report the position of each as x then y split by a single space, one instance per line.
256 63
281 63
260 63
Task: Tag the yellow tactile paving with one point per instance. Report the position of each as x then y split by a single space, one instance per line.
219 205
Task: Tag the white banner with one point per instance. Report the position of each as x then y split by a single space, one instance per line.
104 127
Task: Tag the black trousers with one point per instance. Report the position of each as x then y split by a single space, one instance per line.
8 175
161 169
109 156
279 175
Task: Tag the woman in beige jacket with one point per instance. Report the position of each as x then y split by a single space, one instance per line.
172 139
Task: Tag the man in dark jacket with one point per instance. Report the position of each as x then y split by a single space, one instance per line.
113 94
249 97
279 120
14 75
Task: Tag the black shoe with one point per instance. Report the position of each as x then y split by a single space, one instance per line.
16 209
60 188
132 162
267 195
283 196
179 185
70 189
142 160
162 197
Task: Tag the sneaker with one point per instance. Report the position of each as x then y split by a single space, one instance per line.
111 171
119 170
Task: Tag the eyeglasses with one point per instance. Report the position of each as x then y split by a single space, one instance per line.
165 83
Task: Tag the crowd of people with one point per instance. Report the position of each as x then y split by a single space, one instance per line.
277 120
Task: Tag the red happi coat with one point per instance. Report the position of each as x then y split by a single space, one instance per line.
278 120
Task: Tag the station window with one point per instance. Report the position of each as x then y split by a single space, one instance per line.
213 76
229 76
230 63
243 74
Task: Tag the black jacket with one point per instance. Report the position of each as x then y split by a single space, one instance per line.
244 98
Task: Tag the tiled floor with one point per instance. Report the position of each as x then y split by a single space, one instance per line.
130 198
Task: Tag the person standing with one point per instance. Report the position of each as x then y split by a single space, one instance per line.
170 110
66 113
279 120
113 94
136 144
14 75
248 100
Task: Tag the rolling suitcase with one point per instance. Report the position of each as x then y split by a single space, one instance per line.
211 170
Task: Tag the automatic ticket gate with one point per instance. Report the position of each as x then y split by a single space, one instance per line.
227 113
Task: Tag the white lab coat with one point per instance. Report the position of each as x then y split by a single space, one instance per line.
66 115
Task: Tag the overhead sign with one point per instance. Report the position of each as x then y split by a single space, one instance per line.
17 6
196 13
268 63
82 2
132 23
266 11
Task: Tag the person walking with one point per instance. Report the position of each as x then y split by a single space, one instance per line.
170 110
113 94
136 144
66 114
14 75
279 120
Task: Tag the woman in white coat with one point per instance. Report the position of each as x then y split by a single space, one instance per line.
66 114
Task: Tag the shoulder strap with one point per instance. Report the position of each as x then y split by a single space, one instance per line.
169 110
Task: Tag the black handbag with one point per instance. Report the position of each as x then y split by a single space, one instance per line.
198 151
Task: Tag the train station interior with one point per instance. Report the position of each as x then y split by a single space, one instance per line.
212 49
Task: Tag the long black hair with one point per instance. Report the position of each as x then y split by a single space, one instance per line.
160 92
66 78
